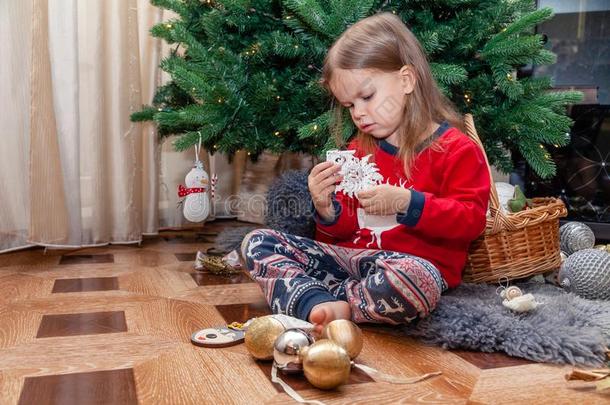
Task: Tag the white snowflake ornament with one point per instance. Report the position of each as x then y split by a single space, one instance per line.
358 174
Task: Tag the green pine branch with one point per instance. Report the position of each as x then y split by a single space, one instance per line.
244 73
448 74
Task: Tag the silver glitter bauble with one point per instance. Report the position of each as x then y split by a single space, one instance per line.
575 236
287 347
587 274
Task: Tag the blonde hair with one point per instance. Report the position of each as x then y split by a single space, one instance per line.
383 42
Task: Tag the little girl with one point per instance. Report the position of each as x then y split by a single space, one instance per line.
388 254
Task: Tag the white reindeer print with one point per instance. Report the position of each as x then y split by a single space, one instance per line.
391 255
289 287
409 318
388 309
275 307
313 251
305 249
358 233
378 278
330 280
377 224
254 243
280 249
367 268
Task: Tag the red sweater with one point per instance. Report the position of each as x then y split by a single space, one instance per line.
450 193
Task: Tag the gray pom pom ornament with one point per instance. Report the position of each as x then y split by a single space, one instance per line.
575 236
587 274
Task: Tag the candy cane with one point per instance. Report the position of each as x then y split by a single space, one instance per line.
213 183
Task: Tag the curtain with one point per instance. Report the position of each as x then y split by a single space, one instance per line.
15 63
74 170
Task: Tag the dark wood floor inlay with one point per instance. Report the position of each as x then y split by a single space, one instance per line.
91 323
203 238
81 259
85 284
185 257
205 278
95 388
243 312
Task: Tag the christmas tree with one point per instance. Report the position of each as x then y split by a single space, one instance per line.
244 73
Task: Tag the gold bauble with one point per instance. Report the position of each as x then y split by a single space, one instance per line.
326 364
260 336
346 334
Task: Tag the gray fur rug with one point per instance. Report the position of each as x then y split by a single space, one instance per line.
230 238
566 329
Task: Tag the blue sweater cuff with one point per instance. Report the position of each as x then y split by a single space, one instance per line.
311 298
415 210
338 209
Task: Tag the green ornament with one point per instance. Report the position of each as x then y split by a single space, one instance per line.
519 202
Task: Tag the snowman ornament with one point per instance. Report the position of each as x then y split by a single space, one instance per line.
196 204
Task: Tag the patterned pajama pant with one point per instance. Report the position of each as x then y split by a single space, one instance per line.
381 286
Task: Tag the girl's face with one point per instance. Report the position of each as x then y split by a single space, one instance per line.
375 99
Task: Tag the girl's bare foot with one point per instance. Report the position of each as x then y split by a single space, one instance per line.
327 312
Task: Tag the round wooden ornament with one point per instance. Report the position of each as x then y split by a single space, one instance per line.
217 337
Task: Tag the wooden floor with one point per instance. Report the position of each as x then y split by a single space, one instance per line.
112 325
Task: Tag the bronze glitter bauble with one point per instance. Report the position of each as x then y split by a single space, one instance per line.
326 364
346 334
260 336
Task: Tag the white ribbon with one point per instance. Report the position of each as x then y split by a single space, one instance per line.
292 393
379 376
198 148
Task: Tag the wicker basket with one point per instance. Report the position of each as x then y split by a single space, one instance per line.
514 245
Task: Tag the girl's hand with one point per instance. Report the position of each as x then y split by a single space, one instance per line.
321 182
384 199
